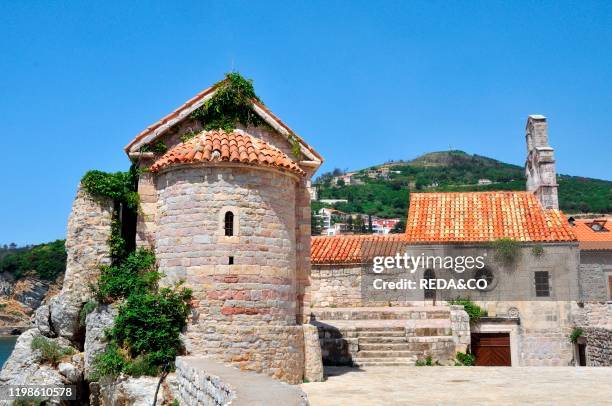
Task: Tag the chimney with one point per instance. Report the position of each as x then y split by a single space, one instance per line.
540 166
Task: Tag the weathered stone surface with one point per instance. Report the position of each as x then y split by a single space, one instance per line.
313 361
65 309
599 346
126 391
96 322
42 320
24 368
205 382
89 227
69 371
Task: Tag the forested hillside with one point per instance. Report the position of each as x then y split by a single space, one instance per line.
384 190
44 260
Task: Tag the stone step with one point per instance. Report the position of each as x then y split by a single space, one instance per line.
430 331
371 362
381 333
381 313
385 354
382 340
361 328
429 339
384 346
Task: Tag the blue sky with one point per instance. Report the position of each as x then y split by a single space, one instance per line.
362 82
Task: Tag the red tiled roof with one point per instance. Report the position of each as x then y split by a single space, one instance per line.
186 108
483 216
218 145
353 249
589 239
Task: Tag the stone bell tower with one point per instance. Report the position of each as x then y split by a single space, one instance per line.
540 164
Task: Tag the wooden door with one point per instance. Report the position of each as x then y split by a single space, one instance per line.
492 349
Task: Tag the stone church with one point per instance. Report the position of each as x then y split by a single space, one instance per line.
228 212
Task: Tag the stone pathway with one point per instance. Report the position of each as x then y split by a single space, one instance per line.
462 386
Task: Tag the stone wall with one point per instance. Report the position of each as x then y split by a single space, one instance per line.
599 346
86 242
336 285
204 382
595 318
245 312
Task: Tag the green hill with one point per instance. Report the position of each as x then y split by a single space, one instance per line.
43 260
387 194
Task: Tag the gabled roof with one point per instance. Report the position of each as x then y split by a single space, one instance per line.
589 239
353 249
221 146
483 216
157 129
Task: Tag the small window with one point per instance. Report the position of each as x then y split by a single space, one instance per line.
542 284
231 260
229 224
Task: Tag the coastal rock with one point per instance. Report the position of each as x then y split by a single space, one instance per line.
42 318
71 372
23 367
30 292
65 311
6 284
95 343
127 391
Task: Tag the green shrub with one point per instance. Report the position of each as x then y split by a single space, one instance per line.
118 186
136 274
50 351
231 104
462 359
158 148
427 362
537 250
142 365
575 335
87 308
150 323
507 250
474 311
110 363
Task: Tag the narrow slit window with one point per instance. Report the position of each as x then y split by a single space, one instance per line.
229 224
429 274
542 284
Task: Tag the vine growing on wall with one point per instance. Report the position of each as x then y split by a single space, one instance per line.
145 333
118 186
507 250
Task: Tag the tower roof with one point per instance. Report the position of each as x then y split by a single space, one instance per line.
156 130
221 146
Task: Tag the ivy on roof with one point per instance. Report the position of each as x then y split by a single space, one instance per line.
231 104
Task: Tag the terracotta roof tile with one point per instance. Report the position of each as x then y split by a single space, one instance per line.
218 145
589 239
353 249
186 108
483 216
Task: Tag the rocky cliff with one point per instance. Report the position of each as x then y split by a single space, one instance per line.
56 322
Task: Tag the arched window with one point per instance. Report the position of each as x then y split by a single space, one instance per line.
430 294
229 224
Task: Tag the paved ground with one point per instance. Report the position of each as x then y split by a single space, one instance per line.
462 386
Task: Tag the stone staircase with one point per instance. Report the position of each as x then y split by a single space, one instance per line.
397 336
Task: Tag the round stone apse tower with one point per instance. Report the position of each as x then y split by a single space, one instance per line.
228 212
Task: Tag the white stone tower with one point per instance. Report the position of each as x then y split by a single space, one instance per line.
540 166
